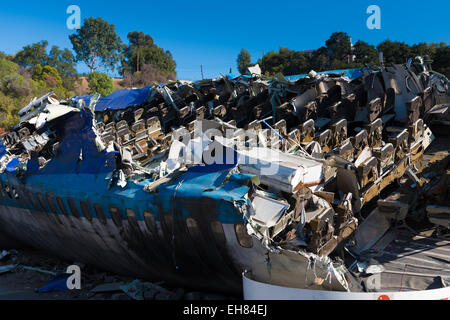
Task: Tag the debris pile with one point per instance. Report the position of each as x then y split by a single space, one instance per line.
311 152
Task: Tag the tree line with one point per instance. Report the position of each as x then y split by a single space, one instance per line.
97 45
340 53
37 69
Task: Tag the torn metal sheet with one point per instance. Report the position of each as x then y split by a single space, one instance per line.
281 171
267 211
255 290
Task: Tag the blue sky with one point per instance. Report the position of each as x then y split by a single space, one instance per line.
211 33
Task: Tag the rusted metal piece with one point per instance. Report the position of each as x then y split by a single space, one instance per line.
307 131
359 142
338 133
346 151
325 140
416 130
368 172
414 107
323 241
374 190
393 209
385 156
328 196
374 131
401 145
374 109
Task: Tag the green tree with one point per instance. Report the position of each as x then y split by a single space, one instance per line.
441 59
139 39
47 78
36 54
143 51
47 74
156 57
294 62
286 61
7 67
32 55
133 52
243 61
100 83
15 85
395 51
148 75
8 112
19 85
319 60
339 46
423 49
97 44
63 61
365 53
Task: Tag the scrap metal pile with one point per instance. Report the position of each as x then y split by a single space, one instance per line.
337 139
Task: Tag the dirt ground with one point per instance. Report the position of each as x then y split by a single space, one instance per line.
83 88
22 283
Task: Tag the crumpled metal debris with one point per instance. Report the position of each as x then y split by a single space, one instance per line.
7 268
3 254
369 268
138 290
337 140
40 270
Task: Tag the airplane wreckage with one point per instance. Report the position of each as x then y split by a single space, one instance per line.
196 183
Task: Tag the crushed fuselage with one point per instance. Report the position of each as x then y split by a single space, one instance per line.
194 183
